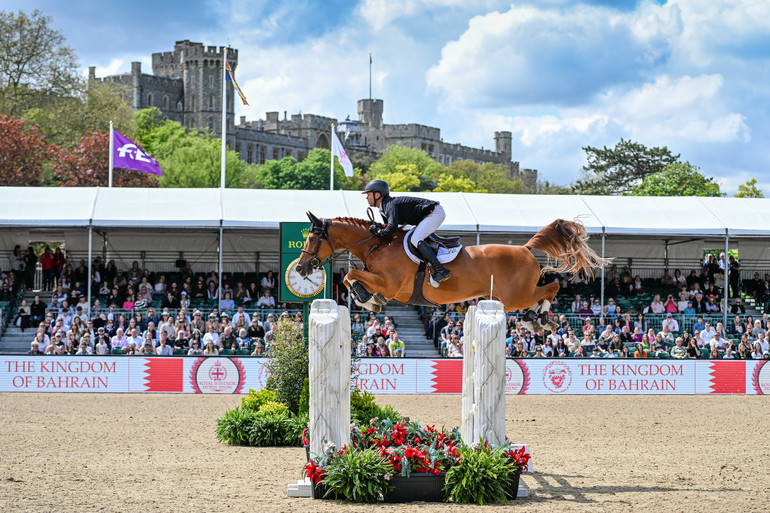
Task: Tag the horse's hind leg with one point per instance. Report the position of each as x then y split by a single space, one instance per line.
536 317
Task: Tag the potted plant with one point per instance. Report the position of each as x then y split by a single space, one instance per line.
482 475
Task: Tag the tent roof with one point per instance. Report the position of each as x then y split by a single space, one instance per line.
46 207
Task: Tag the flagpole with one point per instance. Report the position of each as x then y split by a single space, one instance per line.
224 119
112 149
331 173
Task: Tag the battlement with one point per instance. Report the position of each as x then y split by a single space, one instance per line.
413 130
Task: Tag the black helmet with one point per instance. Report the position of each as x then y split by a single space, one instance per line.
380 186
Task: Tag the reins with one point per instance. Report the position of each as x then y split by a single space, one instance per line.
323 233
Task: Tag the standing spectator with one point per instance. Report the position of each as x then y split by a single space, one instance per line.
30 262
46 261
17 262
59 260
734 277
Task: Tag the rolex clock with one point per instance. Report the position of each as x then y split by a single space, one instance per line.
307 286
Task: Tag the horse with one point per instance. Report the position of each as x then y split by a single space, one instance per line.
513 271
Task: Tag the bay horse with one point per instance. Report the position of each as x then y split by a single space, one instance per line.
390 273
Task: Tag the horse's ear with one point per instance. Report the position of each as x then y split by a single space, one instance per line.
313 219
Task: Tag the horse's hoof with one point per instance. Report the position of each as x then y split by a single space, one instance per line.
551 326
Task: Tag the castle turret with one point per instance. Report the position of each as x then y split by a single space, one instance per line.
370 112
503 144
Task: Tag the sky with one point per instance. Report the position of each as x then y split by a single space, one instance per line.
691 75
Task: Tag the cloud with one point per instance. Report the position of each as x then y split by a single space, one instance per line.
563 56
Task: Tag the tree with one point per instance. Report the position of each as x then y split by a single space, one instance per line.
189 159
310 174
428 170
749 190
35 64
24 152
404 177
488 177
616 170
88 166
679 179
66 119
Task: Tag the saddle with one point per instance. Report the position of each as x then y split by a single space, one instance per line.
435 242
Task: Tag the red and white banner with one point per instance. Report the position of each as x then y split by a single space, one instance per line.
230 375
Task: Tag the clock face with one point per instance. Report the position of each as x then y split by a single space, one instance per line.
307 286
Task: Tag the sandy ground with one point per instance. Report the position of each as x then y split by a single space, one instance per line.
146 453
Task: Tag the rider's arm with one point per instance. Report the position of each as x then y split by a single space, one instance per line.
391 212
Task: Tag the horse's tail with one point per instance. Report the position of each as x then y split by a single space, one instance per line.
566 242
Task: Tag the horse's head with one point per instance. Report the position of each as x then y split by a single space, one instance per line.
317 246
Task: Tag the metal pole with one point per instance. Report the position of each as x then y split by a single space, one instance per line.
601 292
221 285
112 149
90 263
331 166
727 288
224 124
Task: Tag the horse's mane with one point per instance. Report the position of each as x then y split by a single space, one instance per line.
354 220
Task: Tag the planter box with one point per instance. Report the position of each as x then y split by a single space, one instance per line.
417 487
319 491
513 486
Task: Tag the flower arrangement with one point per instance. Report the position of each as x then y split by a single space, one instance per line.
388 450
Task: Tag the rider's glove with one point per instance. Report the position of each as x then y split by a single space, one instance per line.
376 230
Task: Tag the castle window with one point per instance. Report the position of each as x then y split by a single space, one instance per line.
275 153
211 81
250 153
179 105
262 151
149 100
211 123
211 101
165 103
192 102
238 148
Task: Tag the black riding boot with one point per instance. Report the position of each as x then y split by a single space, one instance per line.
439 272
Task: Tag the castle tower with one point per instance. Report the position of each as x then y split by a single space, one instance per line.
200 68
503 144
370 112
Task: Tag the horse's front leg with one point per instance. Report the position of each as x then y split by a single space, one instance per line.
366 288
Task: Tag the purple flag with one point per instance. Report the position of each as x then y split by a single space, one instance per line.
127 155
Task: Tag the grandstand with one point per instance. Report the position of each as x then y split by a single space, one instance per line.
235 232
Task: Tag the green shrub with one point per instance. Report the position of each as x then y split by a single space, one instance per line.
288 364
268 430
363 408
357 476
304 398
273 408
480 478
294 428
255 399
233 428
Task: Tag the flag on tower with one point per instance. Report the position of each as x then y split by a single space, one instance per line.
339 152
231 78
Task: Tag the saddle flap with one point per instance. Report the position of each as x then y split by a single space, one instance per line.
447 242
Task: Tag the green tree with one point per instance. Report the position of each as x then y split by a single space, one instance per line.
189 159
309 174
35 62
547 187
679 179
449 183
749 190
616 170
428 170
488 177
405 177
66 119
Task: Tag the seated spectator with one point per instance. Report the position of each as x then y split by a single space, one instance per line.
671 323
738 307
538 352
210 349
184 299
211 336
243 339
596 352
119 341
35 349
763 343
259 349
707 333
678 351
714 354
396 345
728 355
180 342
266 300
548 348
667 279
670 305
659 345
640 352
560 349
227 304
657 305
576 304
382 348
585 310
195 348
83 349
371 350
164 349
581 352
711 305
666 335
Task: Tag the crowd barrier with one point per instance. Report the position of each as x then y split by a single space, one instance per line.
228 375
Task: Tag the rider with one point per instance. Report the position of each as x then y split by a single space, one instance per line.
425 214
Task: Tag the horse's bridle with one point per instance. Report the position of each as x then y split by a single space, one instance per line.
323 234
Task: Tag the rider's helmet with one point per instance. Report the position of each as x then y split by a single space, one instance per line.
376 186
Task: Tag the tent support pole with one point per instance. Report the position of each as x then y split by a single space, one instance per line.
727 287
601 292
221 285
90 263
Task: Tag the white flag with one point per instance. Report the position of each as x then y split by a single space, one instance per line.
339 152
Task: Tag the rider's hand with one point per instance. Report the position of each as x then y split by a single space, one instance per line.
375 230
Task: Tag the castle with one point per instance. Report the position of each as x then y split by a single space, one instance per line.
186 86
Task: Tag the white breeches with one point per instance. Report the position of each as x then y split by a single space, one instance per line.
429 225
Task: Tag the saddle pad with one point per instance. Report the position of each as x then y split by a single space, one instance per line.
444 255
